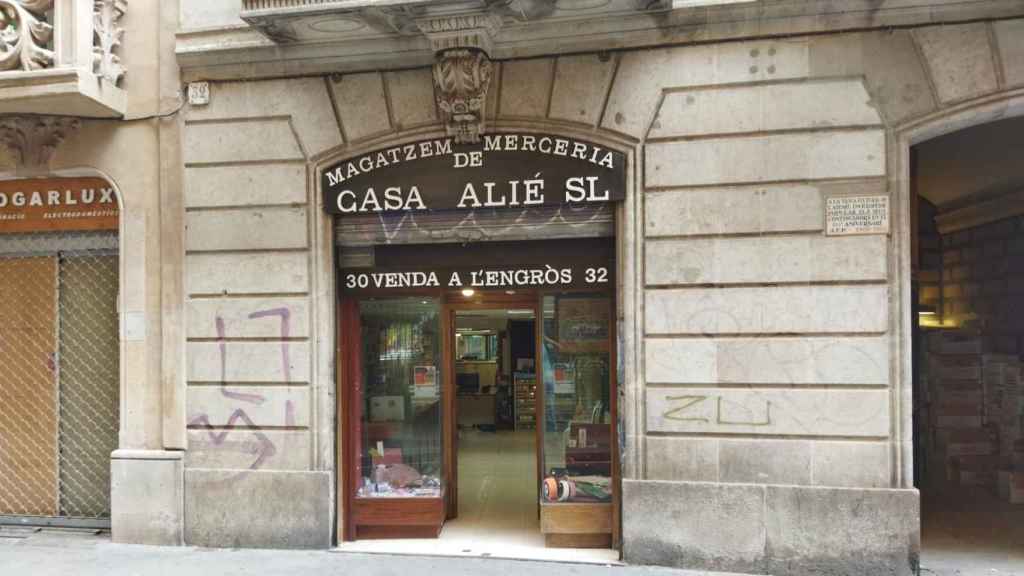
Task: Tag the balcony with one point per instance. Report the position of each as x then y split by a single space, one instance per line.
303 21
275 37
60 57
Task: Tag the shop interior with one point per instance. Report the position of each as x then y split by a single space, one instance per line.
495 397
968 283
504 506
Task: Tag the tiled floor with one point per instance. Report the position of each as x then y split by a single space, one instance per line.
497 507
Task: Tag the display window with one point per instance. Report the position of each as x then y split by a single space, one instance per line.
577 371
400 443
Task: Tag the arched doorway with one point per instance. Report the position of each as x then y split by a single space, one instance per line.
477 324
967 203
59 345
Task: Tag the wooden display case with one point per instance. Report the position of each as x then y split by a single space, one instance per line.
567 525
398 517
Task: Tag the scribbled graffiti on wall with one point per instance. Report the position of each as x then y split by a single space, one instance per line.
241 433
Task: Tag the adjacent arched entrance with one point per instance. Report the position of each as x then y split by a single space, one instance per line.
966 205
59 347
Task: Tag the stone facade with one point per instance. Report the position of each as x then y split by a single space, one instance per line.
763 369
765 384
765 413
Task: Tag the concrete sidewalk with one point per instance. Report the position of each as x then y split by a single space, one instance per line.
74 553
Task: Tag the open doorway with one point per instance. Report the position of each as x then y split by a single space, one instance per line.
968 286
496 447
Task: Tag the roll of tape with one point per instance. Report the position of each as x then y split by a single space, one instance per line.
550 489
564 489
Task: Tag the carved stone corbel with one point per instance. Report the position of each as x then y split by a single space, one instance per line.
461 79
32 140
472 30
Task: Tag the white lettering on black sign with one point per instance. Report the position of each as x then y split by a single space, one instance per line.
540 276
502 171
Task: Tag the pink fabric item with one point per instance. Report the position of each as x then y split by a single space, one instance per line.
401 475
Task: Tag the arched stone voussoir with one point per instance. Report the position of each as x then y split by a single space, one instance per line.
960 60
889 64
643 76
304 100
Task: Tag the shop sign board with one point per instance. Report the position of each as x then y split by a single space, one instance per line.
501 171
57 204
579 275
852 215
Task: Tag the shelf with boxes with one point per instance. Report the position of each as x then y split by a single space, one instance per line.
525 390
975 413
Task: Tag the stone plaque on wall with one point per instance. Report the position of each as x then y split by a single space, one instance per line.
851 215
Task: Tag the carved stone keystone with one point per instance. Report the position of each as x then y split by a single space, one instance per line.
461 79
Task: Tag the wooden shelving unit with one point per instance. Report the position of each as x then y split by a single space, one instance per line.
525 384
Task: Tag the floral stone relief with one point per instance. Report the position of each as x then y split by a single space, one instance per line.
26 36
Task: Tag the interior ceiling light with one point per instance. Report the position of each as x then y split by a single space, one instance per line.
467 292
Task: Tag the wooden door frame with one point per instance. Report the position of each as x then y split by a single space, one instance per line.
348 338
613 394
348 341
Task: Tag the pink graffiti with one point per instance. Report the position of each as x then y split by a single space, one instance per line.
289 413
286 317
222 343
266 448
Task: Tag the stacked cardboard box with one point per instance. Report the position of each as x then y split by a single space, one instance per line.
1011 437
956 401
996 371
976 405
1011 486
